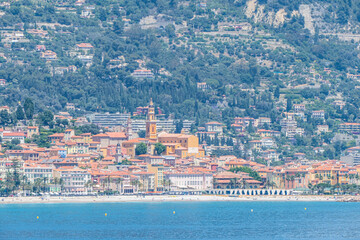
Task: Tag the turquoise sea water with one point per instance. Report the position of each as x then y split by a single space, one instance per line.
192 220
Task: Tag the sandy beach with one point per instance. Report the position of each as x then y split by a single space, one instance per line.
166 198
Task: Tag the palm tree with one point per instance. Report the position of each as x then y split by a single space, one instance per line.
169 184
139 185
119 181
1 188
61 183
37 185
9 183
244 183
269 184
15 174
135 183
233 183
164 183
287 178
144 184
106 184
56 181
103 183
310 186
292 178
214 182
45 183
88 185
24 183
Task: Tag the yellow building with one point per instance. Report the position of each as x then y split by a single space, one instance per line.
32 131
77 139
264 133
332 174
86 137
158 171
181 144
255 144
70 147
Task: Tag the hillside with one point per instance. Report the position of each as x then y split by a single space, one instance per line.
208 60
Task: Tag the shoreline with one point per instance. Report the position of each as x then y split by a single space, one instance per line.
173 198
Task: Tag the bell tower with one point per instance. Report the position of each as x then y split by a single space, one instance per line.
151 122
129 131
118 153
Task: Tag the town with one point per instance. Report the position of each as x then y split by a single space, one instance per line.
107 97
112 158
179 119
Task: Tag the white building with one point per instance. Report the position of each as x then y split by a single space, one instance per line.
291 132
8 136
7 165
299 107
13 37
318 114
34 171
142 73
271 155
287 123
262 121
75 179
322 128
189 179
267 142
214 127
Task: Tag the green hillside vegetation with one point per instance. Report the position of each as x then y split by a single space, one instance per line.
193 47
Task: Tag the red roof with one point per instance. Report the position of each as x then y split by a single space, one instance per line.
116 134
14 134
213 123
57 135
84 45
253 181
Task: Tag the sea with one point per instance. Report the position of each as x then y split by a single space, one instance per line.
181 220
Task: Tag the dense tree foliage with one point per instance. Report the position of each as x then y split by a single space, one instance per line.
140 149
231 65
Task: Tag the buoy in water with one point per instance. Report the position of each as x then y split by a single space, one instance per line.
105 214
305 208
173 212
37 217
252 210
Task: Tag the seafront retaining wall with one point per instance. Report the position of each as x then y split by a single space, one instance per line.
250 192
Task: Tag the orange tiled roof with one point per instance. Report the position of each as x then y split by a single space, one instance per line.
84 45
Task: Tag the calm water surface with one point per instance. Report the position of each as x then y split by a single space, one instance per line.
192 220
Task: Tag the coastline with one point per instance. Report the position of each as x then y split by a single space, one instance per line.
171 198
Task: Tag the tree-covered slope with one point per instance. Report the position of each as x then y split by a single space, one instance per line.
183 43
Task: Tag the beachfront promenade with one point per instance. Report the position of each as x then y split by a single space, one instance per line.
168 198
